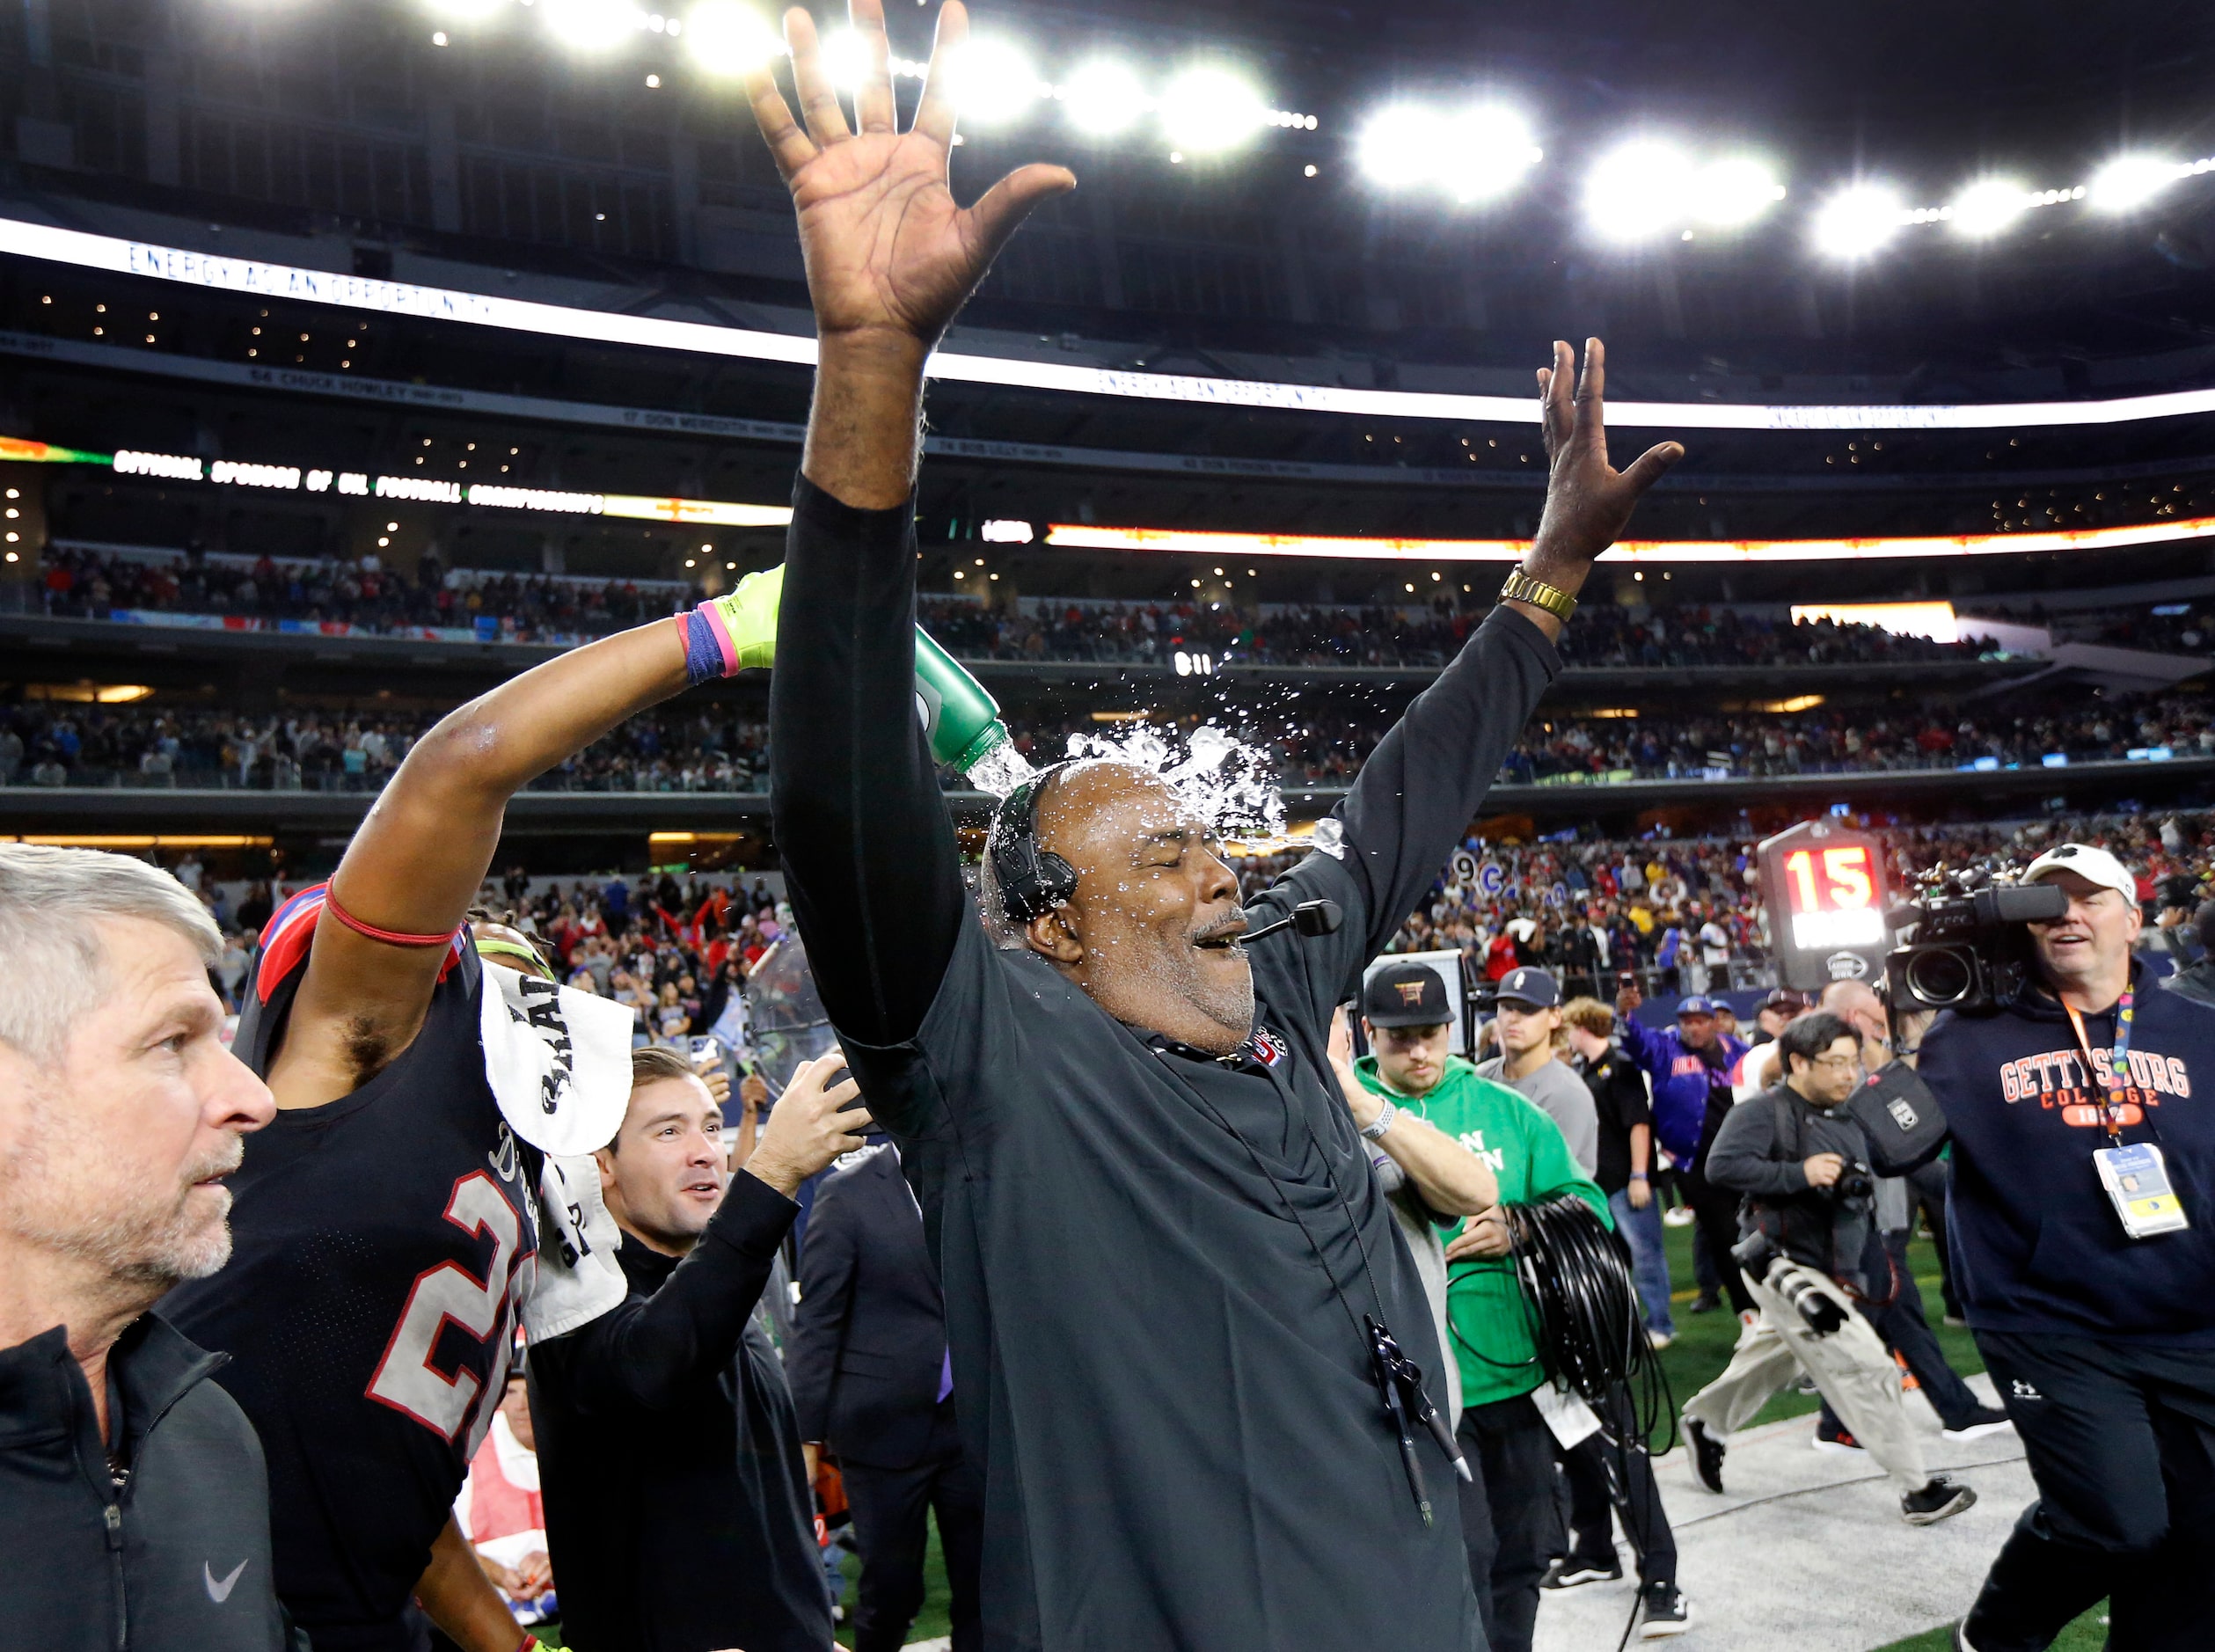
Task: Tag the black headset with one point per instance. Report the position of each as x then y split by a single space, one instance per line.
1033 881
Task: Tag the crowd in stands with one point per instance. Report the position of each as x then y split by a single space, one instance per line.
2160 627
81 583
702 749
1414 635
1683 915
1688 916
709 747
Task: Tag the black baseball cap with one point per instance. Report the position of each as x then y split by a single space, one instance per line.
1407 995
1785 998
1534 989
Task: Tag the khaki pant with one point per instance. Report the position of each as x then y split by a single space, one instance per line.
1850 1366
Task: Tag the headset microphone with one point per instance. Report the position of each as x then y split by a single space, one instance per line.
1309 919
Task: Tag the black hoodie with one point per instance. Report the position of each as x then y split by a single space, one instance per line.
2037 1246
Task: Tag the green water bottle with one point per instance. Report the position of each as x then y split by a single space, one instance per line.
963 720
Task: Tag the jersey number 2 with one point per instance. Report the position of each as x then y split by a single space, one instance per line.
406 1378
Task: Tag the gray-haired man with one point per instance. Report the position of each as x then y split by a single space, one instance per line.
134 1506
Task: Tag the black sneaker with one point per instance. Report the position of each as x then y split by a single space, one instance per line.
1707 1454
1836 1440
1573 1570
1704 1303
1662 1611
1983 1420
1940 1499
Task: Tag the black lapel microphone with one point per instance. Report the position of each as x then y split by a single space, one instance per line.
1309 919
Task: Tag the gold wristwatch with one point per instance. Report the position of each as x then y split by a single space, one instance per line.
1521 588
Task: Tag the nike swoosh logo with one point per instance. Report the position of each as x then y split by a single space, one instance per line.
220 1592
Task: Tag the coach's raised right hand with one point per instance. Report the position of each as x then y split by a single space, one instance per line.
888 252
890 258
814 1122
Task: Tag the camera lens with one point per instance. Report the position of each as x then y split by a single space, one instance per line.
1940 977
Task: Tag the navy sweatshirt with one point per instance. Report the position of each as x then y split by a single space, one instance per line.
2037 1245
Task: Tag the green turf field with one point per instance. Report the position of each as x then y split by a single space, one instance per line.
2087 1633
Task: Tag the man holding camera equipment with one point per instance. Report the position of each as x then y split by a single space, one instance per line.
1800 1161
2083 1213
1508 1518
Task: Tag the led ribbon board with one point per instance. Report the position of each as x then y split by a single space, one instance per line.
179 467
254 279
1084 537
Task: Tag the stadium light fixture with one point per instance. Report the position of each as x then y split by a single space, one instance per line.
1103 97
847 60
1400 146
1207 110
730 38
1488 147
1477 154
1733 190
1989 206
1639 190
1859 221
592 26
2129 182
994 83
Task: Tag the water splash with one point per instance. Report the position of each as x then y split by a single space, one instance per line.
1001 770
1228 784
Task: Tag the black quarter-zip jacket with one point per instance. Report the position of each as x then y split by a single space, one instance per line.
1154 1263
170 1551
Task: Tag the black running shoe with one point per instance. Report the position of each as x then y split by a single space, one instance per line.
1940 1499
1573 1570
1983 1420
1662 1611
1707 1454
1704 1303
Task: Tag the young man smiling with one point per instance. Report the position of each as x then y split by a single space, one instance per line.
1123 1130
677 1504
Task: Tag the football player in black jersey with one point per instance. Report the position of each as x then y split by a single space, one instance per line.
391 1226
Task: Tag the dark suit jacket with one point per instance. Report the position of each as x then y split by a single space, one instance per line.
869 1339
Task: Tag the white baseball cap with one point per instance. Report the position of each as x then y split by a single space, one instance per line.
2089 862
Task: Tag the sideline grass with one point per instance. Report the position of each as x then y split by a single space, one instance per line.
2087 1633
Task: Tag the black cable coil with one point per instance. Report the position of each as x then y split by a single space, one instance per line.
1578 1289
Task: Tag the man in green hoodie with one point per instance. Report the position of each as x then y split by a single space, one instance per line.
1508 1515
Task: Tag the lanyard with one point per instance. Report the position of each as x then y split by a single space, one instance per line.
2118 1068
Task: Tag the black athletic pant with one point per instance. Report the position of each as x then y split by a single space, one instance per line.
1509 1521
2121 1441
892 1536
1604 1481
1716 1210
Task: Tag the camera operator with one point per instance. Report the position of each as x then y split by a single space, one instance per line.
2102 1344
1801 1163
